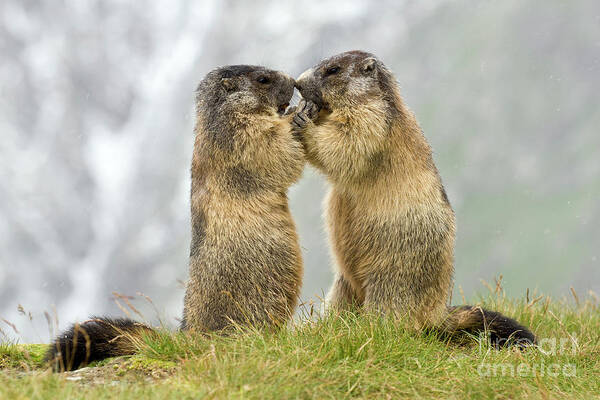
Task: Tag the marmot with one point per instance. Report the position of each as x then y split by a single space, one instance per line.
245 259
390 223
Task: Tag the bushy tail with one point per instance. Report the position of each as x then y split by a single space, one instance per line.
503 331
95 339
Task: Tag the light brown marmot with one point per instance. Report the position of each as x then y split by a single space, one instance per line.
390 223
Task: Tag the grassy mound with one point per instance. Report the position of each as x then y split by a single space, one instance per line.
336 357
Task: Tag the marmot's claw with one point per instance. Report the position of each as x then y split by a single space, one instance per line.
299 121
290 110
312 110
301 106
306 112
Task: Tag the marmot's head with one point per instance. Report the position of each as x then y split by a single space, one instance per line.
245 89
347 79
242 134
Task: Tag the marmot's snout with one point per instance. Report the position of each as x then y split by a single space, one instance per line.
309 88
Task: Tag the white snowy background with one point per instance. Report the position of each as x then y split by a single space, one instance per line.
96 115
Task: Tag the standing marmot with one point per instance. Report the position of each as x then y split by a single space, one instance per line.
390 222
245 260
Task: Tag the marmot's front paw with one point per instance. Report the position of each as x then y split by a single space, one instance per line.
306 112
311 109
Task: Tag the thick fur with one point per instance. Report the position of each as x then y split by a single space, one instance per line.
95 339
390 223
245 260
502 330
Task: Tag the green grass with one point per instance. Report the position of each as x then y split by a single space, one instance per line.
336 357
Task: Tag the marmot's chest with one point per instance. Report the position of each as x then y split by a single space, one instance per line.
405 240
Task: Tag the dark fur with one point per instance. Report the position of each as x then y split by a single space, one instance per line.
95 339
241 180
198 233
503 331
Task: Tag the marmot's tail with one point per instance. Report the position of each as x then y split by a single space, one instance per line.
503 331
95 339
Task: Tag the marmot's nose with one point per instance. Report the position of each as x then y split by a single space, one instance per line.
303 80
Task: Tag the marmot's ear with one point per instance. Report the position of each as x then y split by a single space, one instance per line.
369 64
228 84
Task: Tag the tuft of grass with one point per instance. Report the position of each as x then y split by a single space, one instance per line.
345 356
21 356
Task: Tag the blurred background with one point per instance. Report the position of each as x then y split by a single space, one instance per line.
96 116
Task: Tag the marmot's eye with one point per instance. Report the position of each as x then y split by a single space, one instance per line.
263 80
332 70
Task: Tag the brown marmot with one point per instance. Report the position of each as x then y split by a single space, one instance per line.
390 223
245 260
